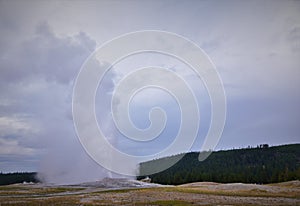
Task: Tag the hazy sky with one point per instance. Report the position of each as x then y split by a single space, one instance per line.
255 46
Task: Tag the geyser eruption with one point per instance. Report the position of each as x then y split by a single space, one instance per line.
66 161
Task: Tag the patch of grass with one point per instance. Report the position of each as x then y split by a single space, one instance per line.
36 191
40 201
6 188
290 184
167 202
240 193
113 191
258 191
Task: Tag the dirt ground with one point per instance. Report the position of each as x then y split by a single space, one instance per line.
124 192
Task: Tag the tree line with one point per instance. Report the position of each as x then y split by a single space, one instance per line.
17 177
260 165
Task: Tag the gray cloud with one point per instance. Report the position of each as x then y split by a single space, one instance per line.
36 87
46 56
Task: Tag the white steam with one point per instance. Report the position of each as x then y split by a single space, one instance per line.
66 161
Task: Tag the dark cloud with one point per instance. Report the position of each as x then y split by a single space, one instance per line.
46 56
36 87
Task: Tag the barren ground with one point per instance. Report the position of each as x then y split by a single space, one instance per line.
131 192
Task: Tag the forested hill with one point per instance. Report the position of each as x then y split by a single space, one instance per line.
252 165
17 177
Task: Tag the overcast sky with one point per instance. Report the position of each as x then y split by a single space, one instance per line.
255 46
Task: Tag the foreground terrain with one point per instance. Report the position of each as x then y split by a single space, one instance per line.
131 192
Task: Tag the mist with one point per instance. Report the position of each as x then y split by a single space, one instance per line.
65 160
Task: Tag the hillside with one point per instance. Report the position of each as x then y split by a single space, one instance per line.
250 165
17 177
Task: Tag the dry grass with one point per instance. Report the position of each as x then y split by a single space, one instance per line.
240 193
196 195
23 191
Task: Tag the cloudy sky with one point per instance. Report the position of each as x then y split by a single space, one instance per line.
255 46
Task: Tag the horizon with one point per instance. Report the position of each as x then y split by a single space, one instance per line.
221 150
